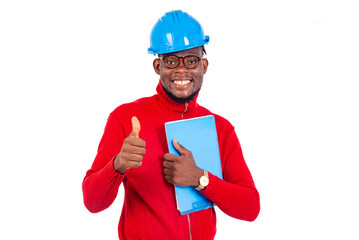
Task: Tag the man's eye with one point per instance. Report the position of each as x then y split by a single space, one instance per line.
170 62
191 60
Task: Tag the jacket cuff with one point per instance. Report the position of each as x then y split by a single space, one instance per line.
213 187
111 174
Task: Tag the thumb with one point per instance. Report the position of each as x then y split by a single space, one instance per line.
136 127
182 150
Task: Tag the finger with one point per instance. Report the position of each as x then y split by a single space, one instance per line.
135 158
132 157
167 172
136 127
170 157
182 150
133 164
134 149
168 178
132 140
167 164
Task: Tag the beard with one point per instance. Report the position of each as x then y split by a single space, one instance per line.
181 100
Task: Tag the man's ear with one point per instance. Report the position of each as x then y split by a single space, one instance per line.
156 66
205 65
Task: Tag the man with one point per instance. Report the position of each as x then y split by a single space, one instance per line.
140 159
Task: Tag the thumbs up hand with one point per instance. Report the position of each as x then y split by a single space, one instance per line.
181 170
133 149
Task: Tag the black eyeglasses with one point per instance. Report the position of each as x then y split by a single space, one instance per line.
173 61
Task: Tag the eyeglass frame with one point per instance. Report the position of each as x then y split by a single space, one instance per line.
181 58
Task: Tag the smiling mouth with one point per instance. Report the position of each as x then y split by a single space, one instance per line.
181 82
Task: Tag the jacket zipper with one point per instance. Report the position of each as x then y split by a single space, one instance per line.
189 227
189 221
186 104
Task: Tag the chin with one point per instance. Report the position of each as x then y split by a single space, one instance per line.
183 99
179 99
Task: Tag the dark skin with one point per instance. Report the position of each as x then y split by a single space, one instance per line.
181 170
181 82
195 76
131 154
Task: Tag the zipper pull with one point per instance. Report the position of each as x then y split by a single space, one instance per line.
186 104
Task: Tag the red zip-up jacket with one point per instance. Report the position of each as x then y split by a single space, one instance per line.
150 210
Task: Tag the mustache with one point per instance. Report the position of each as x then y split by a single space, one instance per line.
181 77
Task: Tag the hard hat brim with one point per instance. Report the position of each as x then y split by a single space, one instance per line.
171 49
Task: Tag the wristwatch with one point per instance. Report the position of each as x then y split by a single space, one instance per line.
203 181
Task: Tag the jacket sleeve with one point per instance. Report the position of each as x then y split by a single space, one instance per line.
101 183
236 195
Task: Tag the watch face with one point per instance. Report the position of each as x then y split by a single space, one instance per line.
203 181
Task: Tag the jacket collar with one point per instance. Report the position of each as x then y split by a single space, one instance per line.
173 106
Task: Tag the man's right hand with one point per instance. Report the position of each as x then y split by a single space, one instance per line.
133 149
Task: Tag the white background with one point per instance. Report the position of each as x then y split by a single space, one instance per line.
285 74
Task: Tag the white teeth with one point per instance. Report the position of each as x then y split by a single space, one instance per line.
181 82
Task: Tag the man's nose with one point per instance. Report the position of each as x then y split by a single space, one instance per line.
181 65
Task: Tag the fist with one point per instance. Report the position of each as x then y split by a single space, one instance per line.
132 151
181 170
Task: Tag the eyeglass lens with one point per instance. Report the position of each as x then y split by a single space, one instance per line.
189 61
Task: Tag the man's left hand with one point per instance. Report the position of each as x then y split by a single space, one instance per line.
181 170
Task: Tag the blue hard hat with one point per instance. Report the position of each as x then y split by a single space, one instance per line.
176 31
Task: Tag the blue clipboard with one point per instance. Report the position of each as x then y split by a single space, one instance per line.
198 135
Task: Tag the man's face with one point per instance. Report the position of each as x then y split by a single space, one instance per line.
181 83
